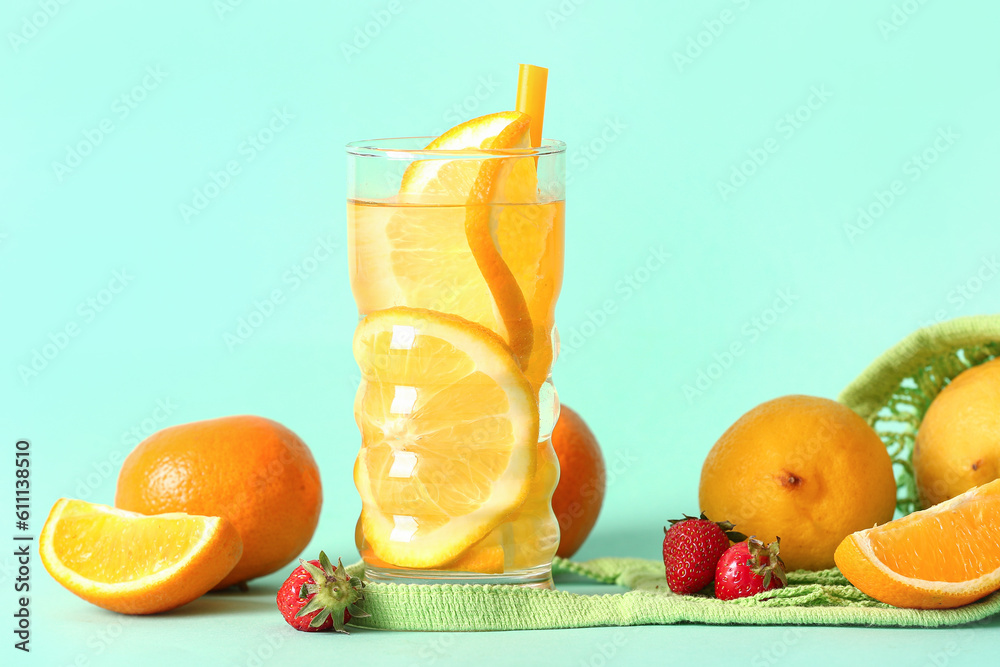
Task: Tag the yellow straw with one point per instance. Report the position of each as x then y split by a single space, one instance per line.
531 81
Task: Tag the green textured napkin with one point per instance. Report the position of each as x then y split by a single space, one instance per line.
811 598
892 395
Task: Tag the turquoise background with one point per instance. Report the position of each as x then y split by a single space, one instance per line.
807 112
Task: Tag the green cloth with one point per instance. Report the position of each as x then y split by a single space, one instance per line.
892 395
811 598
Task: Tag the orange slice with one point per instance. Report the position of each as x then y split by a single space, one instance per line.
527 538
941 557
449 434
484 557
509 241
132 563
436 246
531 242
449 182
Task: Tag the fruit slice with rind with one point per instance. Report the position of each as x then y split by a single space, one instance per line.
941 557
133 563
479 185
449 434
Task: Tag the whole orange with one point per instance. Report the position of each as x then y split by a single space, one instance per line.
957 447
250 470
808 470
578 496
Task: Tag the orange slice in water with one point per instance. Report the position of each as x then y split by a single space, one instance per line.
449 428
436 247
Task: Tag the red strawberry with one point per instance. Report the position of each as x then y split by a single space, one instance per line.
749 568
317 596
691 548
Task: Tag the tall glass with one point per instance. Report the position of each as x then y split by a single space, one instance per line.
456 261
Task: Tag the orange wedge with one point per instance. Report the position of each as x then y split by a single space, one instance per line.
941 557
434 387
132 563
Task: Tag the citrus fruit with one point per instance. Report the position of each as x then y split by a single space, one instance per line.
250 470
941 557
578 496
530 239
136 564
484 557
957 446
449 429
481 220
526 539
805 469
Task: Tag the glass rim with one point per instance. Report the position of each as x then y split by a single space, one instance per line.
385 148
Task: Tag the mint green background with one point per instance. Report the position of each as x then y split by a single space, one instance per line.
670 135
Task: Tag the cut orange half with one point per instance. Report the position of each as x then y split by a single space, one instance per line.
449 430
941 557
133 563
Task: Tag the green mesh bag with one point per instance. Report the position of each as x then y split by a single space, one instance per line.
892 394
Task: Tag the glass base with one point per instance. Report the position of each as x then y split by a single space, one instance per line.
536 577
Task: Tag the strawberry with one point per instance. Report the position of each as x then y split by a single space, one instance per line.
691 548
317 596
749 568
